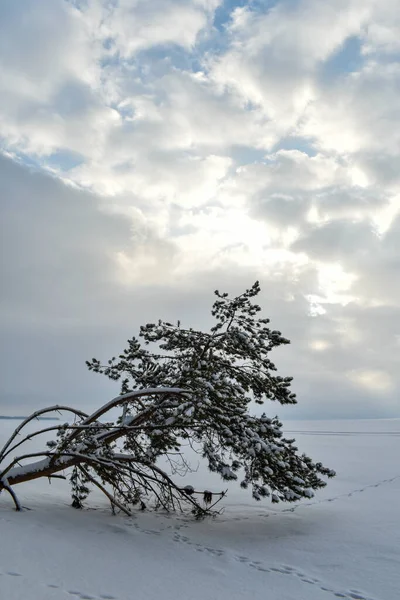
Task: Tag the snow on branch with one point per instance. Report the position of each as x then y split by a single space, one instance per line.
199 392
86 448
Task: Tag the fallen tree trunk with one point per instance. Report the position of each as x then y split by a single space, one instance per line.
89 447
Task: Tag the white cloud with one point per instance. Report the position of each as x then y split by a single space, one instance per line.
383 32
267 147
47 100
273 57
138 24
361 117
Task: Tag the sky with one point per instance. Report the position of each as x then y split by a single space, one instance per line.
151 152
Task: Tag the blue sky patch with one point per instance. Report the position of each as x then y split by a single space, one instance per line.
64 160
346 59
223 14
295 143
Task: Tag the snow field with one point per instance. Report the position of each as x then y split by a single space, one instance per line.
343 543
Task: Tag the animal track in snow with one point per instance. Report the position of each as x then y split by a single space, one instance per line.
334 498
78 594
86 596
287 570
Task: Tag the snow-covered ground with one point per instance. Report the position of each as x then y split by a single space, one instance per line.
344 543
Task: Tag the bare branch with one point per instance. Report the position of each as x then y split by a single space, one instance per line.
35 415
13 495
113 500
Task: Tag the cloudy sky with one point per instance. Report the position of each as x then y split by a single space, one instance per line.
151 151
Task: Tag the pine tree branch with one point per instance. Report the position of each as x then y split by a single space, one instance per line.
35 415
113 500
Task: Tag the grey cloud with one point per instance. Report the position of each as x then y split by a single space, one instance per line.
61 300
73 99
350 202
55 242
280 210
373 259
337 240
77 280
357 340
284 186
23 28
61 303
379 271
381 169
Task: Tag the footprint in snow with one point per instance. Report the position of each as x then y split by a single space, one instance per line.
243 559
259 568
84 596
283 569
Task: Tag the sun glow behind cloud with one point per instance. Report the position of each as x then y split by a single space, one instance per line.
232 139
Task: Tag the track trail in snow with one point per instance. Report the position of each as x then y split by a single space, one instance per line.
281 569
269 569
294 508
350 494
30 583
178 530
284 570
340 496
278 569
